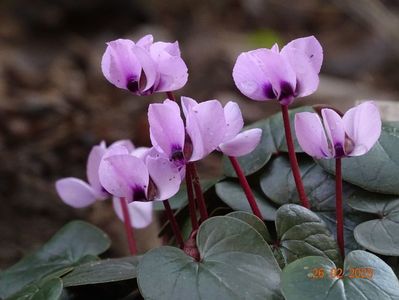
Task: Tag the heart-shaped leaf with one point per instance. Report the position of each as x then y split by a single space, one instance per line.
103 271
272 141
377 170
379 235
236 263
73 243
44 290
254 221
233 195
278 184
180 199
365 276
300 233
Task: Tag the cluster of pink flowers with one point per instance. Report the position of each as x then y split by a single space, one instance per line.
190 133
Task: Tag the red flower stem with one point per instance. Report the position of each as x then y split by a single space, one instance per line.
245 186
293 161
171 96
339 207
173 223
128 227
198 190
191 201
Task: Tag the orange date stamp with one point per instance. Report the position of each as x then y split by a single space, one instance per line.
359 273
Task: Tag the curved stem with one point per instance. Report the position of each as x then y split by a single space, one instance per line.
171 96
128 226
198 190
339 207
245 186
293 161
191 201
173 223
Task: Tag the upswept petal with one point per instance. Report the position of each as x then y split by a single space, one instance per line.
124 176
206 126
149 69
311 47
166 127
145 42
234 120
187 103
119 64
158 47
141 152
363 126
93 163
165 176
126 143
75 192
306 76
173 72
335 130
311 136
140 212
243 143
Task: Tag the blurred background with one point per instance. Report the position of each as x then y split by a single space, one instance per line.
55 104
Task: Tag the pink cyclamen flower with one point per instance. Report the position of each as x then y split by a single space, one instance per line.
266 74
204 130
150 177
352 135
78 193
144 67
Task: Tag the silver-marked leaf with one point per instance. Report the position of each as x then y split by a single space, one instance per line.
236 263
314 277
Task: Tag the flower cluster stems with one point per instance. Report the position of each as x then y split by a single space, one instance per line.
192 170
293 160
245 186
191 201
173 223
128 226
339 207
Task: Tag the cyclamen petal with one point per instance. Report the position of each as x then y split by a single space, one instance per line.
126 143
234 120
243 143
167 129
335 130
93 163
125 176
311 136
206 126
75 192
140 212
363 126
187 103
165 176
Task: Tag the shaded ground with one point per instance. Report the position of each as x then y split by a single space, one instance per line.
55 103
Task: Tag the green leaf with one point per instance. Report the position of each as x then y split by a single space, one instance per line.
180 199
278 184
75 242
377 170
300 233
45 290
298 280
236 263
233 195
381 234
103 271
272 141
254 221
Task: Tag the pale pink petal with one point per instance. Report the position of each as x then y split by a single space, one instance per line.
159 47
75 192
187 103
173 73
119 64
311 136
126 143
166 127
335 129
206 126
140 212
311 47
234 120
118 149
165 176
307 77
125 176
275 48
141 152
363 126
145 42
149 69
93 163
243 143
